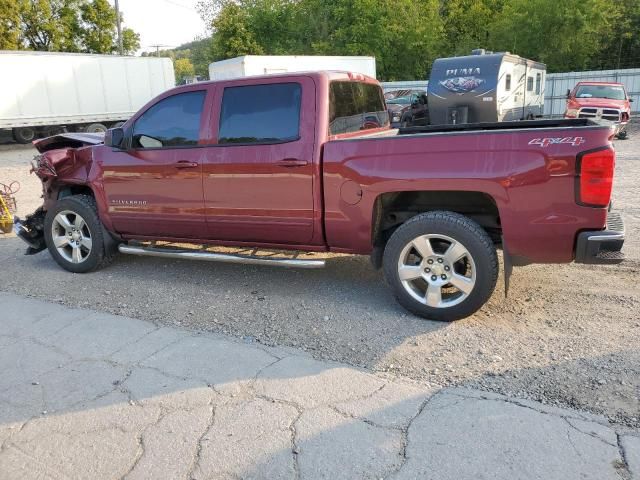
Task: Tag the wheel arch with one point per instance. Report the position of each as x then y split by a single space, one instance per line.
82 188
392 209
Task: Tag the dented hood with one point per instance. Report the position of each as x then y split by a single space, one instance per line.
68 140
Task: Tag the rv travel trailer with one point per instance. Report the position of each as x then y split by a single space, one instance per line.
485 87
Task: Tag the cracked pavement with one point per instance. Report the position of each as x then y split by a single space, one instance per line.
92 395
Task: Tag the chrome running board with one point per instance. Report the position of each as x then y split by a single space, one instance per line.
218 257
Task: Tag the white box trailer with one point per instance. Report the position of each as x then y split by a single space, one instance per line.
42 93
252 65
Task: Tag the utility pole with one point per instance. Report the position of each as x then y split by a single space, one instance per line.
118 19
157 47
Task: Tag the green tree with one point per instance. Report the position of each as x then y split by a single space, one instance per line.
50 25
200 55
406 36
130 41
468 24
183 68
403 35
565 35
99 27
623 47
9 24
62 26
232 34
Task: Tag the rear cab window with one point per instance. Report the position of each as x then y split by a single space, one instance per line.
260 114
356 107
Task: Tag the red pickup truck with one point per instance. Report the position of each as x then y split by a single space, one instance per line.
308 162
607 101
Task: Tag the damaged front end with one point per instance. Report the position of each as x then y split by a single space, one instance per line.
63 163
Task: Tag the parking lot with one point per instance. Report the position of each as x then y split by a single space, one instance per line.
566 335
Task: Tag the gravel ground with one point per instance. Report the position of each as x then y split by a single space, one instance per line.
567 334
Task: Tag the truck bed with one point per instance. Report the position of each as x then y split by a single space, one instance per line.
550 123
527 170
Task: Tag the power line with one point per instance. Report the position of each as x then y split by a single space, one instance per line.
157 47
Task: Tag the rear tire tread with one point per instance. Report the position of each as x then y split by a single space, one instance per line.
418 225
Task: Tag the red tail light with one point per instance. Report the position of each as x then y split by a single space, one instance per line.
595 177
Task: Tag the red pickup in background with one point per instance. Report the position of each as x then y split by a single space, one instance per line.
600 101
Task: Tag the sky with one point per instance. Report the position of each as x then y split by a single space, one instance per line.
162 22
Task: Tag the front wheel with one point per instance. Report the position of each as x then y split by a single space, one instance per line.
441 265
75 236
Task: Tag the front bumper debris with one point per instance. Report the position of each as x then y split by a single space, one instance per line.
31 231
602 246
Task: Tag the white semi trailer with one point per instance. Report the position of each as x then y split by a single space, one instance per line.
251 65
43 93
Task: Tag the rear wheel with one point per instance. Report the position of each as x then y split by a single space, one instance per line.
441 265
75 236
24 135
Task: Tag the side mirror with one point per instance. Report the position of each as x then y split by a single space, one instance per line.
114 137
568 93
631 100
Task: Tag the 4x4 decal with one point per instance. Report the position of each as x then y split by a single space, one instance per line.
545 142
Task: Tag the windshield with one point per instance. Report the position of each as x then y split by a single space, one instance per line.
601 91
400 100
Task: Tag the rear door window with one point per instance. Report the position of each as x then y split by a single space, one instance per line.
263 114
356 106
173 122
529 84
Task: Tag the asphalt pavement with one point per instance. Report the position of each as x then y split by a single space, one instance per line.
85 394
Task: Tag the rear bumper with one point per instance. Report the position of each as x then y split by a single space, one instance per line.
602 246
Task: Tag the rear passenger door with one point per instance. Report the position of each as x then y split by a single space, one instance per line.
258 178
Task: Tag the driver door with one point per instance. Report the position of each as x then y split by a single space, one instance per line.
154 186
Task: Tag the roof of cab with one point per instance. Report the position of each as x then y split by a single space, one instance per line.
588 82
330 75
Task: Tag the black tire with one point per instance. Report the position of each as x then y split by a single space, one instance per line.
463 230
24 135
407 122
96 128
98 255
623 135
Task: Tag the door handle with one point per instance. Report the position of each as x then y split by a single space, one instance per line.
292 162
185 164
